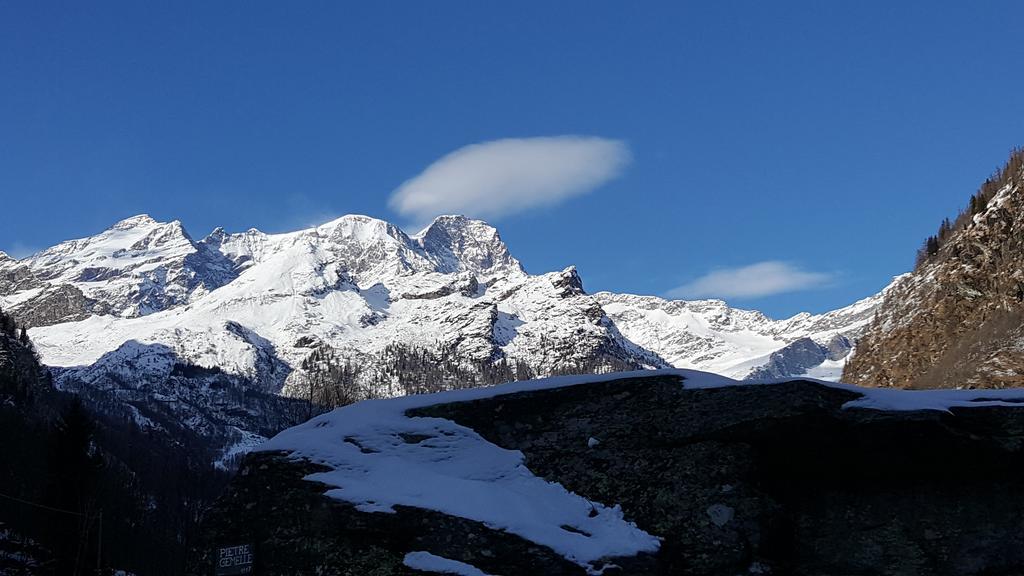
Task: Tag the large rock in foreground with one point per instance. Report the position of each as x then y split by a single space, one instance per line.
797 477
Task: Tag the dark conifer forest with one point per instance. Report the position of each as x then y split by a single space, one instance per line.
80 489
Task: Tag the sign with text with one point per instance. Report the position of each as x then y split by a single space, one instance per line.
234 560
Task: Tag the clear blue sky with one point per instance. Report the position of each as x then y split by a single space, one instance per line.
832 136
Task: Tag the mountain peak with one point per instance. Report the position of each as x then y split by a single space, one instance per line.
361 228
449 220
458 243
568 282
134 222
215 237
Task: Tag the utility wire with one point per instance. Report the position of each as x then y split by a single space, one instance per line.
44 506
83 532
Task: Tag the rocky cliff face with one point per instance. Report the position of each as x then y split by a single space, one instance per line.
958 320
788 478
804 356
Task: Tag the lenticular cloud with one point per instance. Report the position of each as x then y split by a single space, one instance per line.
502 177
753 281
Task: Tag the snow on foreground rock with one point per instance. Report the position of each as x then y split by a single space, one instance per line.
427 562
380 458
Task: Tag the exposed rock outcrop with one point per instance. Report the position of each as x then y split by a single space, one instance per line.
784 478
802 355
958 319
57 304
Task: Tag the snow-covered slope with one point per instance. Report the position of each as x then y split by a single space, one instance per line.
136 267
711 335
257 305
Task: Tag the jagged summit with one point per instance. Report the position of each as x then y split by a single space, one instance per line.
361 228
134 222
370 248
216 237
458 243
136 267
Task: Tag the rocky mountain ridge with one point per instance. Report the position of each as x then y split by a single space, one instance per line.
358 299
342 282
958 319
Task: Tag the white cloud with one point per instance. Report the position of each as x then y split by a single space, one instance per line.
753 281
503 177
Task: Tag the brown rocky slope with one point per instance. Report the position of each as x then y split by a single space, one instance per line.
958 319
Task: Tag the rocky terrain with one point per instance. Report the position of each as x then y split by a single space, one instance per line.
643 473
958 319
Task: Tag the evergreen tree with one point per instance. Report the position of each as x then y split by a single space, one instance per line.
73 471
7 325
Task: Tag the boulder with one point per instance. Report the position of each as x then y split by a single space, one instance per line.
785 478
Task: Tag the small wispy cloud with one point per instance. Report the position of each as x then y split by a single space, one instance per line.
502 177
753 281
20 250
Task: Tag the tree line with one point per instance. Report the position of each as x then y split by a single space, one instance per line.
334 379
83 488
1009 173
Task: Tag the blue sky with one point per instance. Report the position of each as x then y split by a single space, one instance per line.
821 140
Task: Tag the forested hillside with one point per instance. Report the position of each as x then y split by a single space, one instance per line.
80 488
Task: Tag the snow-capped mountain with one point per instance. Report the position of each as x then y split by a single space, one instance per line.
136 267
131 311
255 304
710 335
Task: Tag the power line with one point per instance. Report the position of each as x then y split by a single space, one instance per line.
83 531
44 506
